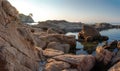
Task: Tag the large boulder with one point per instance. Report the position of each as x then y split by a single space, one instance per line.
17 49
103 55
54 65
80 62
48 38
89 33
58 46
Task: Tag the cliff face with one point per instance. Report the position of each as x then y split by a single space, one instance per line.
25 19
17 49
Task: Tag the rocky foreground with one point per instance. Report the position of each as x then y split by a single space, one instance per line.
24 48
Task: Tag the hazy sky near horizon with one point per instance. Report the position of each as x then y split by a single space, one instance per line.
87 11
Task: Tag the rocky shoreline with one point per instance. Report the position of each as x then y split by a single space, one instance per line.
30 48
62 26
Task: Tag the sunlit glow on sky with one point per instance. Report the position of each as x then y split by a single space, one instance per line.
71 10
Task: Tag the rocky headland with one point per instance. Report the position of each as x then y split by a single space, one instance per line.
25 18
62 26
45 47
104 26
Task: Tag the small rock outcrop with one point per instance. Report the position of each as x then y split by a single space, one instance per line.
103 26
89 33
111 46
25 19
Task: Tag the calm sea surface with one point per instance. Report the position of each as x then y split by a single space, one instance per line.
89 48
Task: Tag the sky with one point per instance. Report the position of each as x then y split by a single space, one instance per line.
86 11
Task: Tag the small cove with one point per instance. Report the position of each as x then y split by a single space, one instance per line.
89 47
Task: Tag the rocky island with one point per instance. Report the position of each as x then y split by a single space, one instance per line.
47 48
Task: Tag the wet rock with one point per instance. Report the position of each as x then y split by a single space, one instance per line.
89 46
58 46
56 66
89 33
52 52
103 38
80 62
103 55
116 67
112 45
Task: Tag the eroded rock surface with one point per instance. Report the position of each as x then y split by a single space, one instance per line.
103 55
54 65
52 52
17 49
80 62
89 33
58 46
46 38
